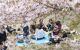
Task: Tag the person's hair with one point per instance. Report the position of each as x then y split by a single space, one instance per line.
39 26
58 23
33 27
50 20
45 29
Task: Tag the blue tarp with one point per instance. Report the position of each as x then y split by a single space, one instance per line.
43 41
21 44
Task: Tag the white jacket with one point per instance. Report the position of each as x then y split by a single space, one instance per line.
40 33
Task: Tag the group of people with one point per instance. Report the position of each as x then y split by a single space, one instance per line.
38 31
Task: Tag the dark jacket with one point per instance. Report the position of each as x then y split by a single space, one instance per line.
3 36
26 30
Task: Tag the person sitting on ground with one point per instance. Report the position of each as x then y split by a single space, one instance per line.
54 38
25 27
26 31
57 28
41 23
39 33
3 36
50 25
33 28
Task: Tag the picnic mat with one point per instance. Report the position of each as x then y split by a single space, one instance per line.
21 44
42 41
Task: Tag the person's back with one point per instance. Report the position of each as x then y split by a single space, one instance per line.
26 30
39 33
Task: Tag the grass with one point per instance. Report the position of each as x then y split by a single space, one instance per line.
63 46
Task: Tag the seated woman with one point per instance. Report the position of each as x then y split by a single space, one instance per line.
54 39
57 28
55 33
50 25
39 33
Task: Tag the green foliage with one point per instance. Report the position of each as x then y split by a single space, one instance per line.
75 22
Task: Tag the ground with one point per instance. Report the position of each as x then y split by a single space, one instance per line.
67 44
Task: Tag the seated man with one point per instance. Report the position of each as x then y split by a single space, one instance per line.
26 31
39 34
50 25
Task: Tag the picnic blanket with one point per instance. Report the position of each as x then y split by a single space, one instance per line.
21 44
39 42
